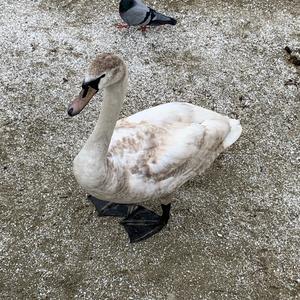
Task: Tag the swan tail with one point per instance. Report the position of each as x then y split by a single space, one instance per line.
234 133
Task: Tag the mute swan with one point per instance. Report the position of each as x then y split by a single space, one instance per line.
145 156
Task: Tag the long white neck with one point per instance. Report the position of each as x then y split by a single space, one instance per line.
99 140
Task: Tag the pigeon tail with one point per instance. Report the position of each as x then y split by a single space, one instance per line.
171 21
160 19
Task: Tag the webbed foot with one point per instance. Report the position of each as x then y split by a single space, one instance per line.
142 223
106 208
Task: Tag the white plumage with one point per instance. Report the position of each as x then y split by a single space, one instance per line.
155 151
147 155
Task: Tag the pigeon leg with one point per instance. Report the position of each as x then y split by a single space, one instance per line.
142 223
121 25
143 28
106 208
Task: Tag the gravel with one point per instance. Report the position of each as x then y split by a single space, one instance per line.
234 232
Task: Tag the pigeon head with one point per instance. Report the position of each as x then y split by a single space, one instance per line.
126 5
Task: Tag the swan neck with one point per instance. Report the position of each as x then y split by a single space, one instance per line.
113 98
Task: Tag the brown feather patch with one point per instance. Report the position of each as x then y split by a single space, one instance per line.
104 62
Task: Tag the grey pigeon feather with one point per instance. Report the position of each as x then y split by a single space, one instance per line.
135 12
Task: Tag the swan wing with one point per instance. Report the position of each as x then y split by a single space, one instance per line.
155 151
158 152
174 112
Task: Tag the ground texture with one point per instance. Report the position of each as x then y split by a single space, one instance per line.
234 232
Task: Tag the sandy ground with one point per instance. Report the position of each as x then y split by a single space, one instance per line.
234 232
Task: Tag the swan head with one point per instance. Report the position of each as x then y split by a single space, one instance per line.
105 70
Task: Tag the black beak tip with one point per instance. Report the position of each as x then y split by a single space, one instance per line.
70 112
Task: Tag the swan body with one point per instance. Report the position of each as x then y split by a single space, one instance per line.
147 155
155 151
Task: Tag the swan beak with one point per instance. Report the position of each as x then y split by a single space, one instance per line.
78 104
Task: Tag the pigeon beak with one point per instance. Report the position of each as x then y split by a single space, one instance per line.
78 104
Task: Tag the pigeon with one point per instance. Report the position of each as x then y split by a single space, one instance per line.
136 13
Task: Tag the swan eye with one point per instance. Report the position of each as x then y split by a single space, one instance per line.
93 84
85 88
84 85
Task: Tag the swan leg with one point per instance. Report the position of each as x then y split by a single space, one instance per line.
106 208
142 223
